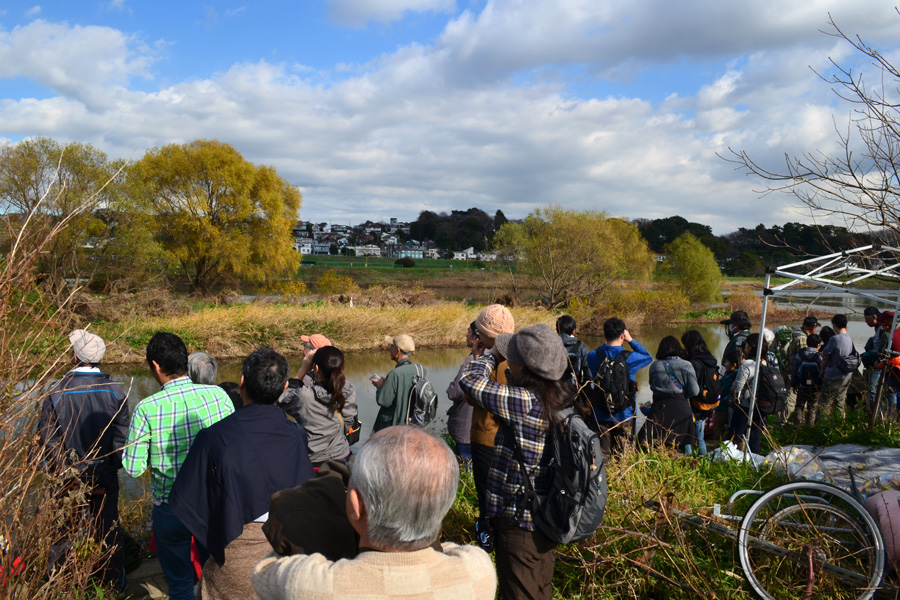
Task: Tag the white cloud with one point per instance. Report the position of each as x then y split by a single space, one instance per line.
234 12
33 11
77 62
451 126
357 13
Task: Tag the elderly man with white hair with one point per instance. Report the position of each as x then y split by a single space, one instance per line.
404 481
83 424
202 368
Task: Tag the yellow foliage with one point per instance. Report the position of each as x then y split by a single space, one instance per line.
331 283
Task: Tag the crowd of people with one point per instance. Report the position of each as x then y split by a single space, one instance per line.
257 491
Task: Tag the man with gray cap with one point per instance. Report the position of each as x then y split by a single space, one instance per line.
83 425
393 389
535 390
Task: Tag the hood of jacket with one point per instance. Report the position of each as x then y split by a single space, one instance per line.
706 359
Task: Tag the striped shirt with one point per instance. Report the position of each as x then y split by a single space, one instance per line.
163 427
521 414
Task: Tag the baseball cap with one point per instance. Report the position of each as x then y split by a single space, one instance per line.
810 321
404 342
317 340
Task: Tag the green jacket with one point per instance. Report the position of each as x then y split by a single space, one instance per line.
393 395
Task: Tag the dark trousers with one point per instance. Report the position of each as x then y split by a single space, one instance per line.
739 427
525 561
103 505
481 464
173 548
614 437
103 519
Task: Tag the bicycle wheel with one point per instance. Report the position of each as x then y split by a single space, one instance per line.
810 540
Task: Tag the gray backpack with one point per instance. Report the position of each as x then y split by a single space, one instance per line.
423 400
572 507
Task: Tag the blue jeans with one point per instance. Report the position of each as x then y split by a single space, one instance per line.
700 424
173 547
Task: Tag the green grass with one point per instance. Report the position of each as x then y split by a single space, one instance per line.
832 431
603 566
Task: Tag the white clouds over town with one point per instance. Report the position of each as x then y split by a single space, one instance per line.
504 104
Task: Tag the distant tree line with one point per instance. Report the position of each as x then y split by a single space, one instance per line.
745 252
458 230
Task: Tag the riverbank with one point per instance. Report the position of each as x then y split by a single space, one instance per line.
232 330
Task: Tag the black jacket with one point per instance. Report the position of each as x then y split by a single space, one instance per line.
233 468
84 422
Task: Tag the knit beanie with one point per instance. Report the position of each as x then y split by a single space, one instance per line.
539 349
494 320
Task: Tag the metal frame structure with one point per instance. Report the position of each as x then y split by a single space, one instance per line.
833 272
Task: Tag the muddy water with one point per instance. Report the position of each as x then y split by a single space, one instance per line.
442 365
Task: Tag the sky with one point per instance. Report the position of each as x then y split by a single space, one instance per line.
385 108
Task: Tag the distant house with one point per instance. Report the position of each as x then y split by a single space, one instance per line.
661 257
321 249
467 254
370 250
487 256
410 253
432 253
304 246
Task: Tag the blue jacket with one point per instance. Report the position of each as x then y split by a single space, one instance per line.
233 468
637 360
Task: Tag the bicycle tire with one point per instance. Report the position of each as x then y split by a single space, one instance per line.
813 525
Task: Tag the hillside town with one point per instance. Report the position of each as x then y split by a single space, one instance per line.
389 240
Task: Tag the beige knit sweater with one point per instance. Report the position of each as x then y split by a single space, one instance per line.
458 573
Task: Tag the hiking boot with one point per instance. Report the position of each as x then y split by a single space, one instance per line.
484 533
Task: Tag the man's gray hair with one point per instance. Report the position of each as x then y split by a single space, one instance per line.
407 479
202 368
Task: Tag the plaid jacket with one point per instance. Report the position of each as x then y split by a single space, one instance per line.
521 414
163 427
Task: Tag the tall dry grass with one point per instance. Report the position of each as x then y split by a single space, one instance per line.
39 508
234 331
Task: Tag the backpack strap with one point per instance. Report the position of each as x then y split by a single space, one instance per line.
530 495
674 379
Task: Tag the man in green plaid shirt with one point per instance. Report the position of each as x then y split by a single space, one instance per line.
163 427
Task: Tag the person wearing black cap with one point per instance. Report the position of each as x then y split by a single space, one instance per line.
798 343
737 328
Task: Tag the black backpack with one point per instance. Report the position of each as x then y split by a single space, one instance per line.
710 387
572 508
612 388
422 400
808 375
771 392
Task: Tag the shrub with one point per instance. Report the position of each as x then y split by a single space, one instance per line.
331 284
405 262
695 268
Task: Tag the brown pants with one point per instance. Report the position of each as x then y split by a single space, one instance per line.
525 561
232 580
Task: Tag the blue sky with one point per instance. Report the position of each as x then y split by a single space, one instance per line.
385 108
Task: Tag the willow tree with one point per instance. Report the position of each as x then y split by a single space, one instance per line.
695 267
219 215
44 180
571 254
